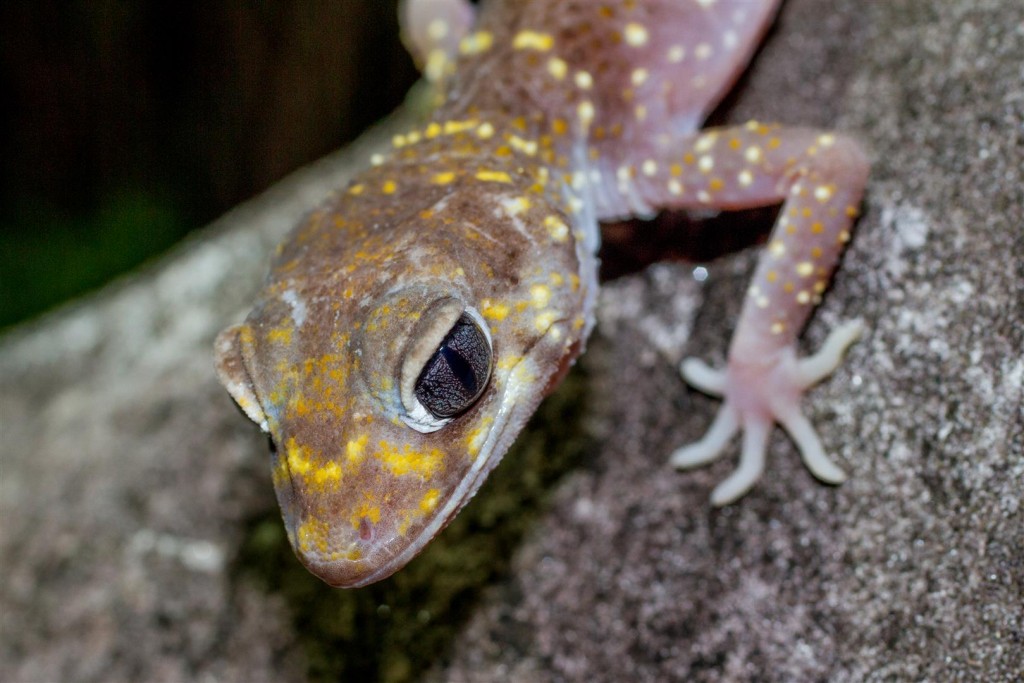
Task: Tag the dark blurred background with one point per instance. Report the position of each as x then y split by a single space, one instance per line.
124 125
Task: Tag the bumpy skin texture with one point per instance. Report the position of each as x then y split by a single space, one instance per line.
551 117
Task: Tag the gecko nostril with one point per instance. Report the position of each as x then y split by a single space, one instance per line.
365 530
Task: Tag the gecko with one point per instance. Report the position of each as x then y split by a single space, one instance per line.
412 323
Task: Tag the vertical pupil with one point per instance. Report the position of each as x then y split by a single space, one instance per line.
460 368
455 376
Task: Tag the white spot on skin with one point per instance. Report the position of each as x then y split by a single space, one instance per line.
730 39
297 305
583 80
558 68
745 178
649 167
674 187
585 111
635 34
705 164
638 77
753 154
823 193
437 29
703 51
675 54
705 142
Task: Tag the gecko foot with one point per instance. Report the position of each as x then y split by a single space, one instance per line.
758 393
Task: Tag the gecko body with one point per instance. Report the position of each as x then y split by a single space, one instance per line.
411 325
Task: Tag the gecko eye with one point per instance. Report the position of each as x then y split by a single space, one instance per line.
455 376
451 372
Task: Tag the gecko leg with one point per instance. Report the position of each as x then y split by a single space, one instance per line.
819 178
432 30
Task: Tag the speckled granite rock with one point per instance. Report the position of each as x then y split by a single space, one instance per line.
131 501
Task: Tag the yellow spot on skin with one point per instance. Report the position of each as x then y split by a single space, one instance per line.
816 252
488 176
356 189
398 141
583 80
429 501
452 127
388 187
817 227
559 127
532 40
716 184
778 328
407 460
804 268
475 43
298 458
557 228
528 147
366 510
493 310
558 68
443 178
844 237
635 34
355 449
852 212
432 130
328 474
280 335
640 112
771 276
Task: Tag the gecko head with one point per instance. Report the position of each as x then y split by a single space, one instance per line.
393 381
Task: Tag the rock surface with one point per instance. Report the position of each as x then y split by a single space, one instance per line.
133 507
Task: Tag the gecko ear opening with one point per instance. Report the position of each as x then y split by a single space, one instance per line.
229 361
446 367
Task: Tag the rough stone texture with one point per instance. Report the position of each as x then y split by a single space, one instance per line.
128 483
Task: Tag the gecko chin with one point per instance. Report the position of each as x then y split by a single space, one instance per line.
350 538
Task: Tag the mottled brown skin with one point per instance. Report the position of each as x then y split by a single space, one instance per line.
551 116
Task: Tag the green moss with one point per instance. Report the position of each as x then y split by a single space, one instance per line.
393 631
